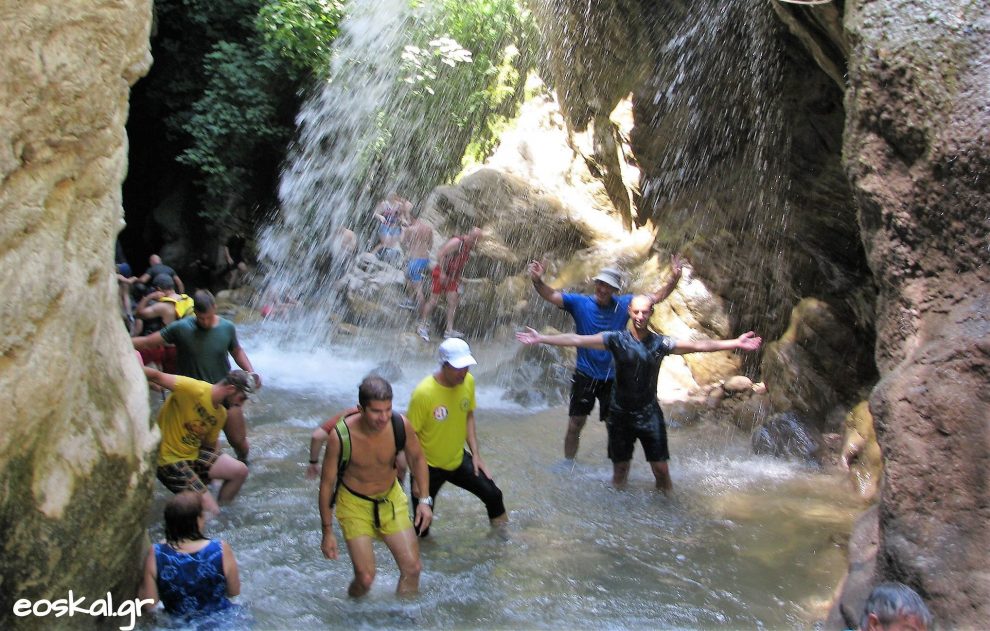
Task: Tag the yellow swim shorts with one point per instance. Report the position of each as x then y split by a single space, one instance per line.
386 515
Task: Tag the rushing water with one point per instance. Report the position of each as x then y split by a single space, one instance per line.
744 542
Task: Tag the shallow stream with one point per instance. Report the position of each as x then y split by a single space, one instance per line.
743 542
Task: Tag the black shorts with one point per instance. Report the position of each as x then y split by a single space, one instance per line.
647 426
584 391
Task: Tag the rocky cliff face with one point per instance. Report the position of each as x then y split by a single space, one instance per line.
830 163
75 440
917 151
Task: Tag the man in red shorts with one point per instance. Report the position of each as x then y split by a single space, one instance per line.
451 259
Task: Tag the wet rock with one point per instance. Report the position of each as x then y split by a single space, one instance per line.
786 436
859 580
388 370
738 386
76 442
861 453
803 364
537 375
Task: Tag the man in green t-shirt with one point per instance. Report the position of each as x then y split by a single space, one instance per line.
203 344
190 421
441 412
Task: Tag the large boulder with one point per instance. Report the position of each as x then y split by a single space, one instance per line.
76 445
917 153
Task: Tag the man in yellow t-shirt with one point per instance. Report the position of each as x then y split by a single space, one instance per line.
190 421
441 412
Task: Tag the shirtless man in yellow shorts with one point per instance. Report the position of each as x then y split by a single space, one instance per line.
369 501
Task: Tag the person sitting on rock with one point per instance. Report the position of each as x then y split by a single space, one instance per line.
895 607
193 576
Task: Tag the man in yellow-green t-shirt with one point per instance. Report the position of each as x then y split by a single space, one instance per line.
190 421
441 411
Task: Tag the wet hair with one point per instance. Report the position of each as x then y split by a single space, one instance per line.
374 388
182 513
240 379
891 602
163 281
203 301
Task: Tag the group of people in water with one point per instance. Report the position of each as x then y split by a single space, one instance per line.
369 447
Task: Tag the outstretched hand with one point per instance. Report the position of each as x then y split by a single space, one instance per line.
749 341
536 269
528 337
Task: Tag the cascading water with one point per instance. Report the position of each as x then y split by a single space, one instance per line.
744 541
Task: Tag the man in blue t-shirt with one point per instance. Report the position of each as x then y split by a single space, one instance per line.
601 311
635 413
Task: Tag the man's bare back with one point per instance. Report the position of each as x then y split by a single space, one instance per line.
417 239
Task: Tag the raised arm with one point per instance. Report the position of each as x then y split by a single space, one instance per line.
148 342
531 336
748 341
179 285
676 267
160 378
421 475
145 311
328 483
545 291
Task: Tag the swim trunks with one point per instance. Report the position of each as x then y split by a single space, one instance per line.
415 269
646 425
359 517
584 391
189 475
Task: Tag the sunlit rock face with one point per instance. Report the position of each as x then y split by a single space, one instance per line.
917 150
738 147
880 132
75 441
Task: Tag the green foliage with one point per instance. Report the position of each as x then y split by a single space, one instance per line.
301 32
465 69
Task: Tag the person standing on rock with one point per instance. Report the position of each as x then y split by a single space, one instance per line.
156 311
634 413
156 267
202 344
190 421
451 259
602 311
417 241
441 411
359 481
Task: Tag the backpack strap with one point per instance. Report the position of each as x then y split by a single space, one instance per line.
344 436
344 458
399 429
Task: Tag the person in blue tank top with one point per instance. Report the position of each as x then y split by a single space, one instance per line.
604 310
193 576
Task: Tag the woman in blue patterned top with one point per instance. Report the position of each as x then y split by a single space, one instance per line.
192 575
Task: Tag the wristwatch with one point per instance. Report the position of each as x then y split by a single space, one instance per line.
428 500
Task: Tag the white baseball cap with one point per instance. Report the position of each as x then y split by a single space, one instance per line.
457 353
610 276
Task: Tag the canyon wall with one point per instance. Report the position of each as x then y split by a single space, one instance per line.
837 156
75 440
